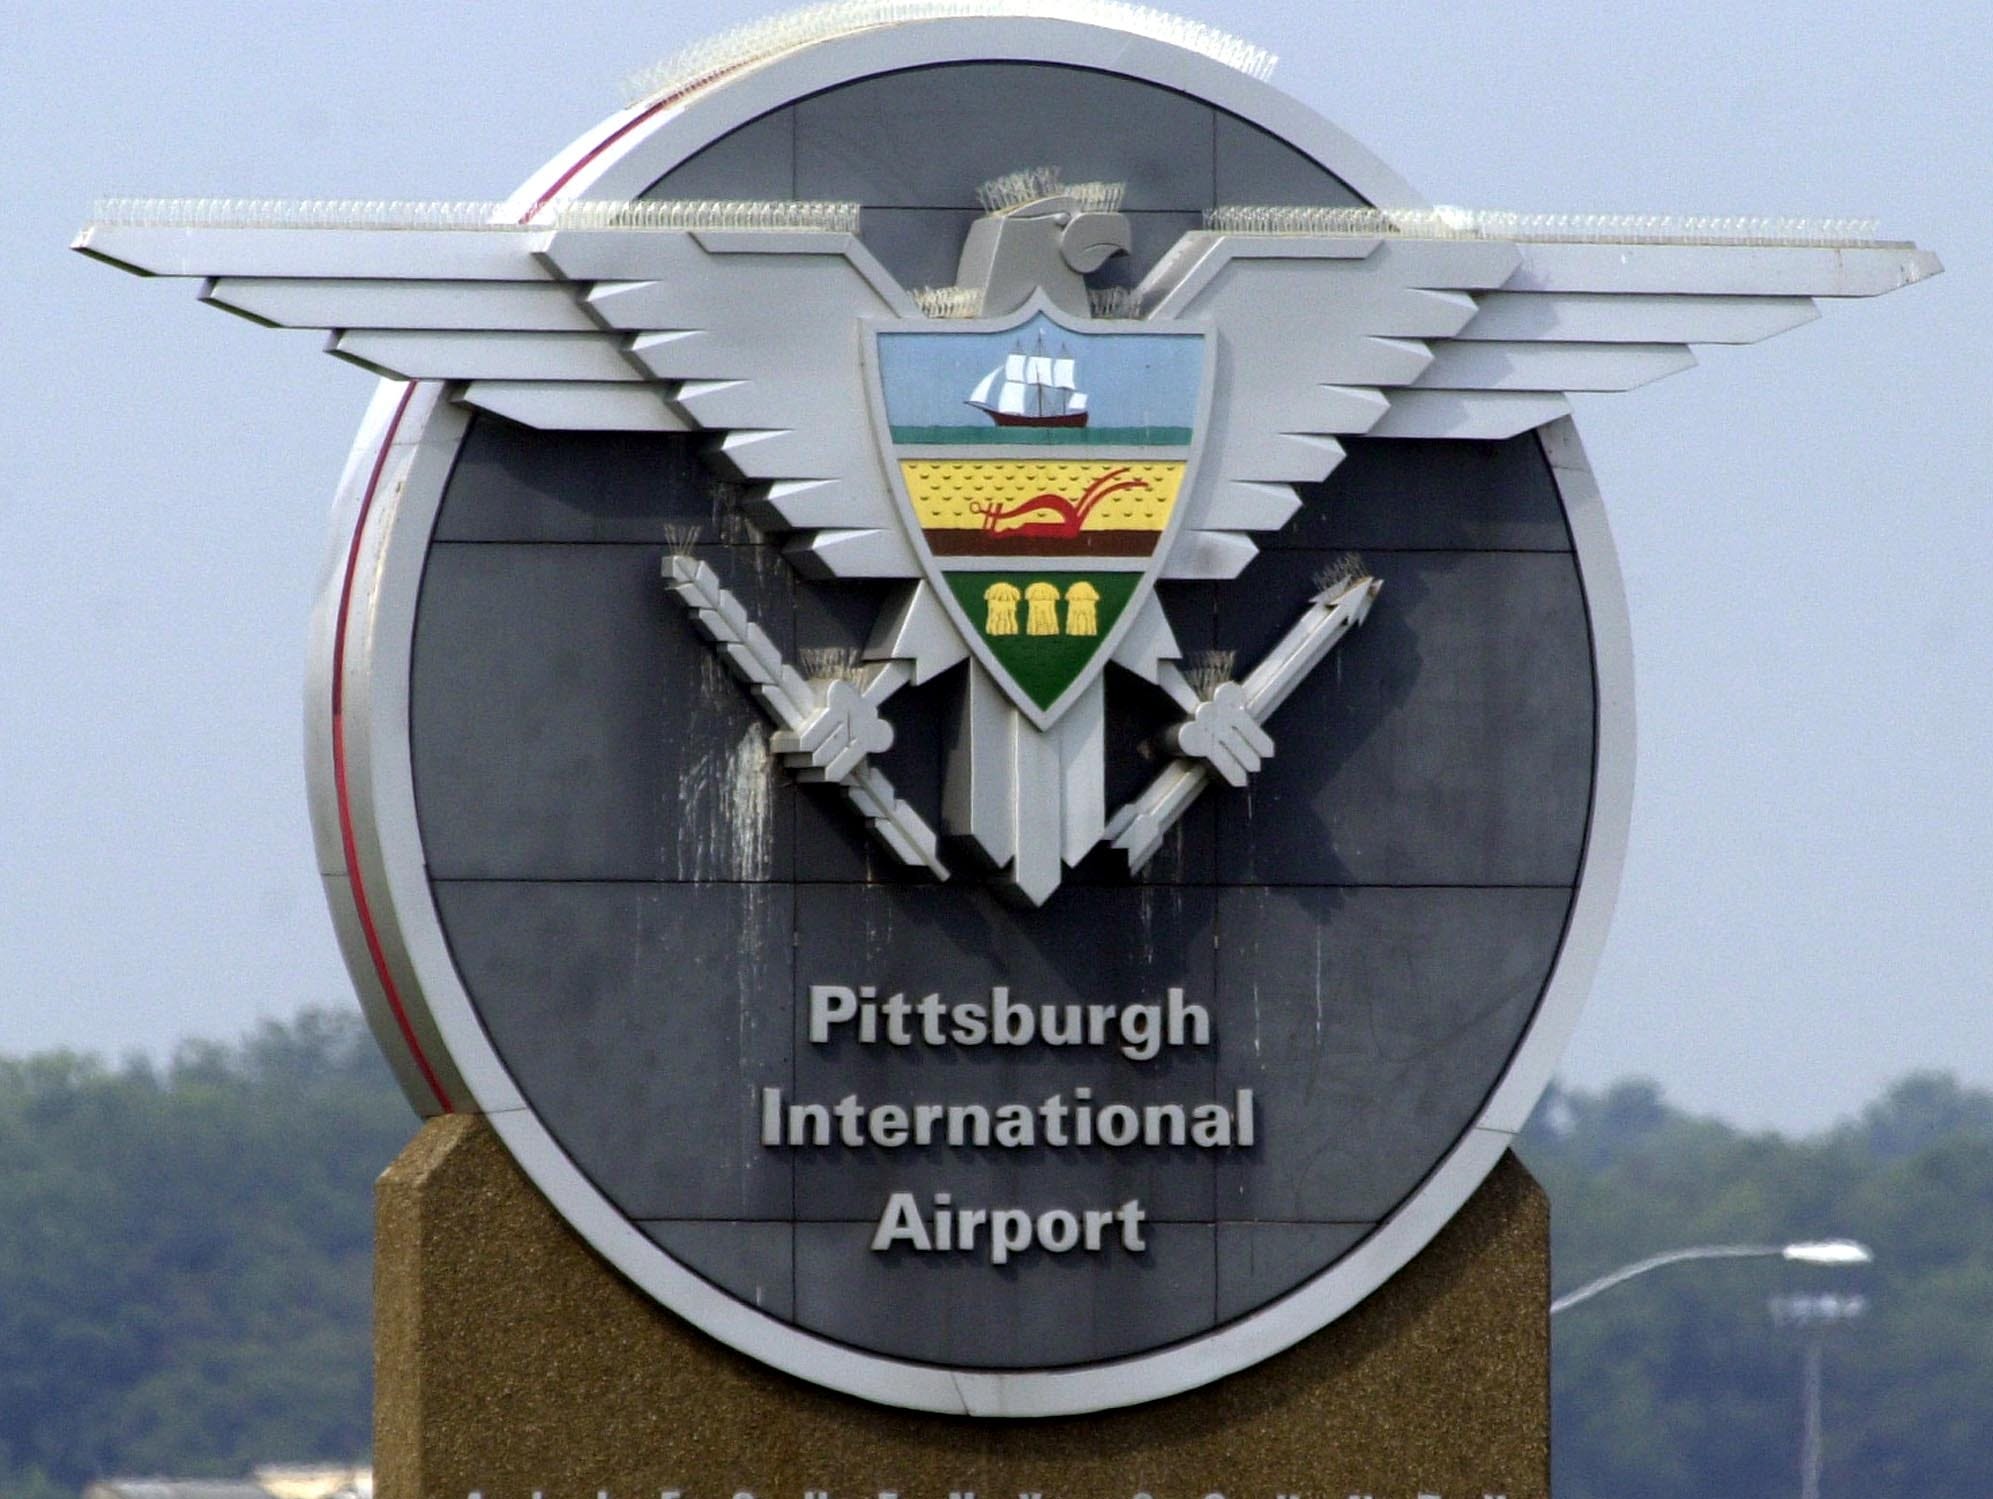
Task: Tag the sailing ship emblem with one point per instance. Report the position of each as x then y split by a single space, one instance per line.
1038 462
1033 390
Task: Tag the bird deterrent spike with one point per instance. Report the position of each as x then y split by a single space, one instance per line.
1030 185
1015 189
1541 228
1112 302
831 662
709 61
389 214
1207 671
1098 197
949 301
1345 569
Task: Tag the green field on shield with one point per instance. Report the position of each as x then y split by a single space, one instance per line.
1044 437
1044 665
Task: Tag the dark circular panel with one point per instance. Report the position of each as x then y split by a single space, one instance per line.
638 900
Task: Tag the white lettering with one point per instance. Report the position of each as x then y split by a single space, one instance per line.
850 1120
931 1011
1117 1124
830 1004
1054 1110
889 1125
1097 1220
901 1220
1012 1232
1014 1126
896 1021
1138 1031
1211 1126
809 1124
1058 1230
1196 1017
925 1117
1141 1033
1131 1215
1162 1124
1012 1025
968 1124
1056 1121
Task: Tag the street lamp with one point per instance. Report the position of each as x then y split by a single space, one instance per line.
1814 1315
1806 1252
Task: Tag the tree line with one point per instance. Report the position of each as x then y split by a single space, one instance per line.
1679 1383
185 1265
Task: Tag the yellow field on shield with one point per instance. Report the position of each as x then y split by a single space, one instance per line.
958 493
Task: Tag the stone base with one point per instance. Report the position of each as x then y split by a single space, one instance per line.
509 1359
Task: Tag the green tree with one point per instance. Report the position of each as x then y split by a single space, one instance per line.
1678 1383
185 1255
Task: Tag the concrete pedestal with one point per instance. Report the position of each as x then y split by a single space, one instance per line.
510 1359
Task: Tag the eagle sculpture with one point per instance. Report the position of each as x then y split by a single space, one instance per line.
1181 415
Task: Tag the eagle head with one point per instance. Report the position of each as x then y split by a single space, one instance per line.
1041 235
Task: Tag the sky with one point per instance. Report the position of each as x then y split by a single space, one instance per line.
1133 380
1804 524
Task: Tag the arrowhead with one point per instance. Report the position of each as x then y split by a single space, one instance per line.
1372 587
1341 591
1341 578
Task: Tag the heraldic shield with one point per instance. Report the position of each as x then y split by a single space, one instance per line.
1043 467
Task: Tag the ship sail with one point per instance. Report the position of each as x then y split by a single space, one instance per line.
1032 390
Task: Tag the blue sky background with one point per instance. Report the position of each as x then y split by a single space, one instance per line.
1131 380
1805 525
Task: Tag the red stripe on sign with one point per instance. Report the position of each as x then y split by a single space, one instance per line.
595 151
346 839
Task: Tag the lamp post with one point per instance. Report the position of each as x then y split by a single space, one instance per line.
1806 1252
1814 1315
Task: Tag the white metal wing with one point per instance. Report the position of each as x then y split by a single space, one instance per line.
739 318
1339 322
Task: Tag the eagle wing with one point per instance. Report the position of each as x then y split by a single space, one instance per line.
748 330
1459 333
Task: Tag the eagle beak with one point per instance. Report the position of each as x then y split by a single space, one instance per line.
1092 239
